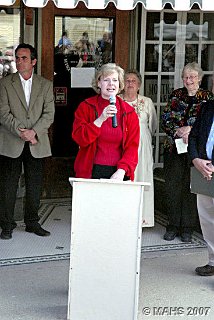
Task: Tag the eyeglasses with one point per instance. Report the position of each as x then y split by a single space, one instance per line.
190 78
130 81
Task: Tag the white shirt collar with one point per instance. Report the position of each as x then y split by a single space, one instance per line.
23 80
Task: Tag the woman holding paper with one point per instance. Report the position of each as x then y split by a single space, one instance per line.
177 119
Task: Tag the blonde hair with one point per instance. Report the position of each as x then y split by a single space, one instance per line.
106 70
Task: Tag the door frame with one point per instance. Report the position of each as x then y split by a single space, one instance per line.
122 32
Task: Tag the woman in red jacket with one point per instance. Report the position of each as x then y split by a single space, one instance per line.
105 151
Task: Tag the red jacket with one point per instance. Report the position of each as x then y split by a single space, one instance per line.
85 133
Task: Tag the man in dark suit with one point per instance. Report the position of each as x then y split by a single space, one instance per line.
201 151
26 113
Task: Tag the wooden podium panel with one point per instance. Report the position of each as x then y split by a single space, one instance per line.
105 249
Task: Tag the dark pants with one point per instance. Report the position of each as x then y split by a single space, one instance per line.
180 202
10 171
104 172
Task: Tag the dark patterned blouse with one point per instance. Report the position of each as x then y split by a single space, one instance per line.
182 110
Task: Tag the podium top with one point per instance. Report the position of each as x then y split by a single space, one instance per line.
109 181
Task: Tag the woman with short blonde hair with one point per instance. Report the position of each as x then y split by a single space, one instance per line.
106 70
108 149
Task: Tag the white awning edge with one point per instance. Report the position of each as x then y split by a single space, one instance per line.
7 2
35 3
150 5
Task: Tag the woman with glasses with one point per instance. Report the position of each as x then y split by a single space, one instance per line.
177 119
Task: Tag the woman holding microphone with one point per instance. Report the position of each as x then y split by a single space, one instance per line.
107 148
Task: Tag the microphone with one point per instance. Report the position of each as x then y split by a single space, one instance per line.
112 101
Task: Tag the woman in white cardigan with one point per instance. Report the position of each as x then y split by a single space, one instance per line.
146 112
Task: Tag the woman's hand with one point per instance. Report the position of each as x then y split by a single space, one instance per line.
118 175
205 167
183 132
108 112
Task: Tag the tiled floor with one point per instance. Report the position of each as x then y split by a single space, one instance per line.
56 217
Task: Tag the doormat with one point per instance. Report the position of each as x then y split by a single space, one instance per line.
152 238
55 216
24 247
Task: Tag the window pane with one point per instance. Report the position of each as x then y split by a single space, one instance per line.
169 26
192 26
167 83
9 39
191 53
151 87
207 82
168 57
87 42
151 57
207 57
153 31
208 26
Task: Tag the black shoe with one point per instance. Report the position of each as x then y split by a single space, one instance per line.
6 234
14 225
205 270
186 237
38 230
170 235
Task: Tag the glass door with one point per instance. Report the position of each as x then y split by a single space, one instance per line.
171 40
82 44
9 38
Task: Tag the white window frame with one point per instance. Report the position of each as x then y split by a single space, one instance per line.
179 62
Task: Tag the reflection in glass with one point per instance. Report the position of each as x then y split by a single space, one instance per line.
207 57
168 57
9 39
151 87
152 53
153 26
169 26
207 82
191 53
192 27
167 86
208 26
88 41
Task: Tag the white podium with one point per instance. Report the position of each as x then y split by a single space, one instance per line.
105 249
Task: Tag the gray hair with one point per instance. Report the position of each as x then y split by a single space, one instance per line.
106 70
136 73
193 66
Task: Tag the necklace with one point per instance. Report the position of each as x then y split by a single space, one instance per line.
137 104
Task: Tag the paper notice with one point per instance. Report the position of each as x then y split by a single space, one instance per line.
181 146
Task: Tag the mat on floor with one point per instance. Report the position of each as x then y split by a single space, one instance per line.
24 247
152 239
55 216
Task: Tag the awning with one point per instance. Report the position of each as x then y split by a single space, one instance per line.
178 5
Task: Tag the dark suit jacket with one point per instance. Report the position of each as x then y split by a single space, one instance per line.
200 132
